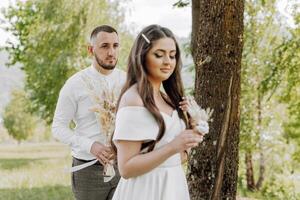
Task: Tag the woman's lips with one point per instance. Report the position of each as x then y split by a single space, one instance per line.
165 70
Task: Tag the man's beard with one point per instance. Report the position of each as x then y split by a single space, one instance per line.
103 65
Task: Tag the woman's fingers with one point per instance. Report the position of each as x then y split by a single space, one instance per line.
192 139
183 105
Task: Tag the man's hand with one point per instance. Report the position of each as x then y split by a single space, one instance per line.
102 153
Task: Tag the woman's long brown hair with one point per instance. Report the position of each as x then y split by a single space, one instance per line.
137 74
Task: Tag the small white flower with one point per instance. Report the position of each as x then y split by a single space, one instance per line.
199 115
202 127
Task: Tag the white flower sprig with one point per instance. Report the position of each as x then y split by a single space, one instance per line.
200 117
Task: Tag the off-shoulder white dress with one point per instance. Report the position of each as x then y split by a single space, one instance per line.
165 182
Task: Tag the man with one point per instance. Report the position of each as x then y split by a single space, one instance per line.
74 103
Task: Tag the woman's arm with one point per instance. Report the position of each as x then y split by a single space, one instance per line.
131 163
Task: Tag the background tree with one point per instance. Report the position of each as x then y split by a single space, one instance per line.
51 43
291 93
217 40
19 123
269 135
262 35
285 78
269 57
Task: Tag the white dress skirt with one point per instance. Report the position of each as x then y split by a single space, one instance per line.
165 182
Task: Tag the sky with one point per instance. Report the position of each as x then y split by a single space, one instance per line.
146 12
142 13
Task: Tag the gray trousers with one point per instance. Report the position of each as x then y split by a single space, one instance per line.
88 184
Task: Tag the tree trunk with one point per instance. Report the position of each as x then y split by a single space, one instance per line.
249 171
261 153
217 32
248 160
262 167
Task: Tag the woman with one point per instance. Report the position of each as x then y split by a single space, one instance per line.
150 127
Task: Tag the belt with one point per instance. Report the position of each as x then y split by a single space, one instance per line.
85 161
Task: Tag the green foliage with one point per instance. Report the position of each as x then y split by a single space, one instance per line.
285 66
181 3
281 177
275 189
51 43
260 38
270 81
291 90
284 77
19 123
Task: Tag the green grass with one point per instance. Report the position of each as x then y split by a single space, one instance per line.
58 192
35 172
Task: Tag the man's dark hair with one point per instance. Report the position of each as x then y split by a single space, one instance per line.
103 28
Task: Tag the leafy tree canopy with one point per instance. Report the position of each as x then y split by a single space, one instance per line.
51 43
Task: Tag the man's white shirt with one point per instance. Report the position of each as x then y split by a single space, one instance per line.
74 103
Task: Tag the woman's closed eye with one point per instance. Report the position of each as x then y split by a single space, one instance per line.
172 56
158 55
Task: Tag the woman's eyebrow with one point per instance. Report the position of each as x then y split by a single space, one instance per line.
163 50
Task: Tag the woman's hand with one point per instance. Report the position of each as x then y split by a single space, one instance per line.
201 128
185 140
183 105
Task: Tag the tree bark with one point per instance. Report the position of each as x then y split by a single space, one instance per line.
249 172
248 157
217 32
261 153
262 168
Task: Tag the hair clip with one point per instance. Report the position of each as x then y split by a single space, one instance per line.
147 40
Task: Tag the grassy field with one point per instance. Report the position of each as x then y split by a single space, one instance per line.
34 172
37 172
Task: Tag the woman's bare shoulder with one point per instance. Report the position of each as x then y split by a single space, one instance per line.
131 98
